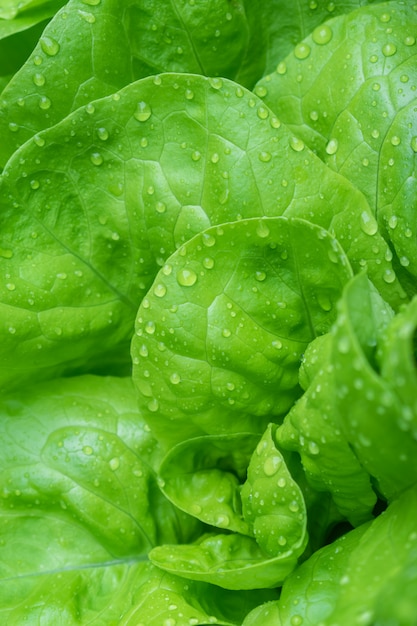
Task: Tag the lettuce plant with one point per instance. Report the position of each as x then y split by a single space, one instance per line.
208 313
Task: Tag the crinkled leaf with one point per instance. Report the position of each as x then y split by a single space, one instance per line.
203 476
230 314
379 422
360 120
312 428
230 561
92 207
77 449
272 501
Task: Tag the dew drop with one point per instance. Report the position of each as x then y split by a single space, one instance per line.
389 49
216 83
39 79
332 146
302 51
389 276
262 230
189 94
272 465
265 157
343 345
150 327
208 240
44 103
226 332
314 116
90 108
260 276
160 290
375 133
143 351
410 40
39 141
88 450
143 112
313 448
114 464
414 144
297 144
262 113
160 207
277 344
214 157
96 158
281 68
175 378
6 253
49 46
34 184
87 16
153 405
395 140
208 263
275 122
368 224
296 620
261 91
186 277
102 133
322 34
10 286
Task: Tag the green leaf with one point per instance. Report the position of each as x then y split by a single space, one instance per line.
152 166
378 418
230 315
203 476
272 501
312 428
230 561
365 131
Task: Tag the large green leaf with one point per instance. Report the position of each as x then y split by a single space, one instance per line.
220 335
93 206
348 90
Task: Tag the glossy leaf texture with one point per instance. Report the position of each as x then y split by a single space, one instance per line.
203 477
92 207
364 128
346 582
229 316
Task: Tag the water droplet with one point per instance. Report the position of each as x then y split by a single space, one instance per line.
6 253
10 286
389 49
87 16
277 344
332 146
272 465
153 405
208 240
389 276
261 91
175 378
102 133
375 133
186 277
265 157
293 506
96 158
49 46
296 620
373 58
216 83
114 464
88 450
143 350
395 140
281 68
160 290
302 51
189 94
226 332
92 3
150 327
376 86
297 144
410 40
39 79
39 141
281 482
214 157
44 103
282 540
404 261
275 122
34 184
343 345
143 112
313 448
322 34
208 263
260 276
262 113
414 144
90 108
262 230
368 223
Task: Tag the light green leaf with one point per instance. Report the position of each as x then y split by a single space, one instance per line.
230 561
377 416
312 428
203 476
230 315
85 224
272 501
360 120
